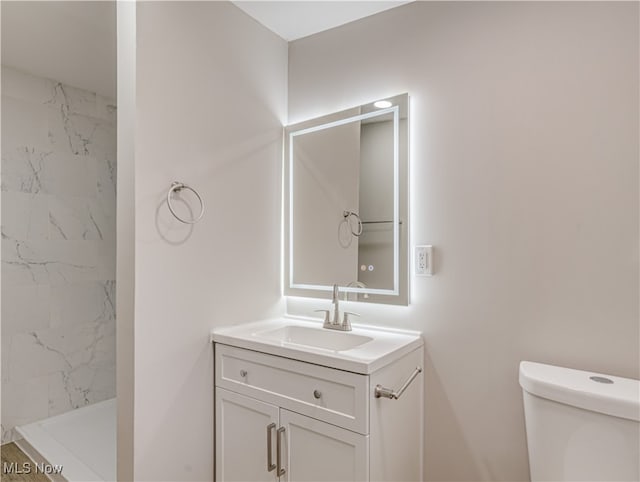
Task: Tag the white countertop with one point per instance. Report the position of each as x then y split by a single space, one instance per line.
383 347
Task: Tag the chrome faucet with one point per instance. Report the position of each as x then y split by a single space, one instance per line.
336 324
335 301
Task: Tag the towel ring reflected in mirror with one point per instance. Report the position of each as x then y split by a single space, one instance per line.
345 236
348 215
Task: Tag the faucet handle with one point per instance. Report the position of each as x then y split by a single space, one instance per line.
326 315
346 323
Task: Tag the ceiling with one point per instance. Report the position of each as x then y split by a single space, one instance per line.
292 20
73 42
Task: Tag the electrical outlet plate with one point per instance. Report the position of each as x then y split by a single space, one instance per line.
423 260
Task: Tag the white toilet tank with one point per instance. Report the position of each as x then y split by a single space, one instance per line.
580 425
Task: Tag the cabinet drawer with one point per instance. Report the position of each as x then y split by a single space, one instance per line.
342 396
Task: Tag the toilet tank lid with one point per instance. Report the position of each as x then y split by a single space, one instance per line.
606 394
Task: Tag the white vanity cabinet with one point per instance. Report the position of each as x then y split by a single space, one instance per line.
309 449
326 422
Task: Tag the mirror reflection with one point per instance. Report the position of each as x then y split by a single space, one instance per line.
347 203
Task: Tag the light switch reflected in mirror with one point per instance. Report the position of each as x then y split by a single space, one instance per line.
346 203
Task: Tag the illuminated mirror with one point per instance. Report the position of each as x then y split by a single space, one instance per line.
346 203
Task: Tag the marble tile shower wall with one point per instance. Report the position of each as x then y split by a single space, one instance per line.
58 248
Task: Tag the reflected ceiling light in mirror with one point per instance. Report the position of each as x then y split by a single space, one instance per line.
382 104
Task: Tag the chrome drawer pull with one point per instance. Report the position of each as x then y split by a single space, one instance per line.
280 471
317 393
243 373
383 392
270 466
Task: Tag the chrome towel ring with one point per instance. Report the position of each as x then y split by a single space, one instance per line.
356 216
345 236
177 187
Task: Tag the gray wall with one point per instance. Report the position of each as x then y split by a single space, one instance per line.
524 175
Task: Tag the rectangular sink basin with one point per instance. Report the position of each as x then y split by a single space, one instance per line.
364 350
316 337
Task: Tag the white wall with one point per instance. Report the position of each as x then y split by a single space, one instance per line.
73 42
524 177
211 87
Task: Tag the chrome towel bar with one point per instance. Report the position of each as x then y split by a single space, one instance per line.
382 392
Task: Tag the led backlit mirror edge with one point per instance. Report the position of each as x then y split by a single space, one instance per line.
399 295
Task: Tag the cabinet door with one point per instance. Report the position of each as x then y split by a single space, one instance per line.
242 438
319 452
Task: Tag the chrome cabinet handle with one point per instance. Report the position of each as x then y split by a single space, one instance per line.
243 373
280 471
270 466
317 393
383 392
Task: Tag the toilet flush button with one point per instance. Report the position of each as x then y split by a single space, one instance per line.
601 379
